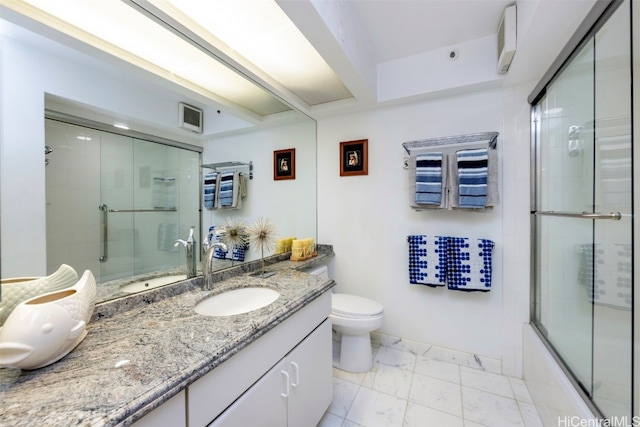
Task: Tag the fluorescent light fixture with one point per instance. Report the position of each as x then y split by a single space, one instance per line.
121 126
261 32
84 138
121 30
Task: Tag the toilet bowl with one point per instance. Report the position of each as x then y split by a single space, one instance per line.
353 319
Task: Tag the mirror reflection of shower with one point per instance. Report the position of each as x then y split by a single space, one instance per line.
575 143
151 190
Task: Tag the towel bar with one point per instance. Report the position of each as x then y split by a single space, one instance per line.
145 210
490 138
216 166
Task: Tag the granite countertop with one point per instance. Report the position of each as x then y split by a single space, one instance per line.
132 362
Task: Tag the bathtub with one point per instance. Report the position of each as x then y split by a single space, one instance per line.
555 398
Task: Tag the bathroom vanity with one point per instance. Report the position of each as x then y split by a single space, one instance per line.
163 361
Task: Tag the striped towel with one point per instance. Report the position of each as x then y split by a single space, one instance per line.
427 260
472 177
210 189
429 179
469 264
225 196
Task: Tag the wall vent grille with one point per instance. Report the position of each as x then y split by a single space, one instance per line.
190 118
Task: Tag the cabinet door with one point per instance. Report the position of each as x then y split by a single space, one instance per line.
264 404
311 373
170 413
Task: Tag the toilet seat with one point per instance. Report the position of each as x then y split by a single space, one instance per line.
354 307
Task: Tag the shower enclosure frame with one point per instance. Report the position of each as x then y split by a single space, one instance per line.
597 17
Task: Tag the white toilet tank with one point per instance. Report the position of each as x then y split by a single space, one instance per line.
317 270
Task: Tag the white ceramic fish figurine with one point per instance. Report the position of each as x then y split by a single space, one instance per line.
43 329
18 289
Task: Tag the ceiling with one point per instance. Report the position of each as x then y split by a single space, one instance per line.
394 51
399 28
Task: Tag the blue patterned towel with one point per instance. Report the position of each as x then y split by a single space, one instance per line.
605 270
225 195
238 252
210 187
472 177
429 179
427 260
469 264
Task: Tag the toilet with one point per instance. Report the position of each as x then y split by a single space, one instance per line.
353 319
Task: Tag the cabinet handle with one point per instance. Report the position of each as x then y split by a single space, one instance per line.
286 378
297 374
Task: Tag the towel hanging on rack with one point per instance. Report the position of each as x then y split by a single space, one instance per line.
492 196
472 177
444 197
429 179
460 263
427 260
469 264
464 184
210 189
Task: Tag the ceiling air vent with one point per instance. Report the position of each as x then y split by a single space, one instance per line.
190 118
506 39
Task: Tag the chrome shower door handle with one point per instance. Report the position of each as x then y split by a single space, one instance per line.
104 225
616 216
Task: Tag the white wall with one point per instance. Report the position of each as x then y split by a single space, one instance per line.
367 219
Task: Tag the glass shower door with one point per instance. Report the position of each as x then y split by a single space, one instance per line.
565 185
612 274
583 217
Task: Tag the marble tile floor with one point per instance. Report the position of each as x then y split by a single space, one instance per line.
422 386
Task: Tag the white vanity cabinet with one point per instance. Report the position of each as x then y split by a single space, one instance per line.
295 392
170 413
293 359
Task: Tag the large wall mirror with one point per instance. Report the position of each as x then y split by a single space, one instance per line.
62 160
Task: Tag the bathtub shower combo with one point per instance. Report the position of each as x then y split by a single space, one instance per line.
582 223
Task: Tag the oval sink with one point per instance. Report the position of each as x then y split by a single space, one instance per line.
236 301
144 285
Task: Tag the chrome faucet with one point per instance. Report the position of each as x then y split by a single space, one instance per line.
209 250
189 245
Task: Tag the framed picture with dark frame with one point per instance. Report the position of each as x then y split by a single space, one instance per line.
354 158
284 164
